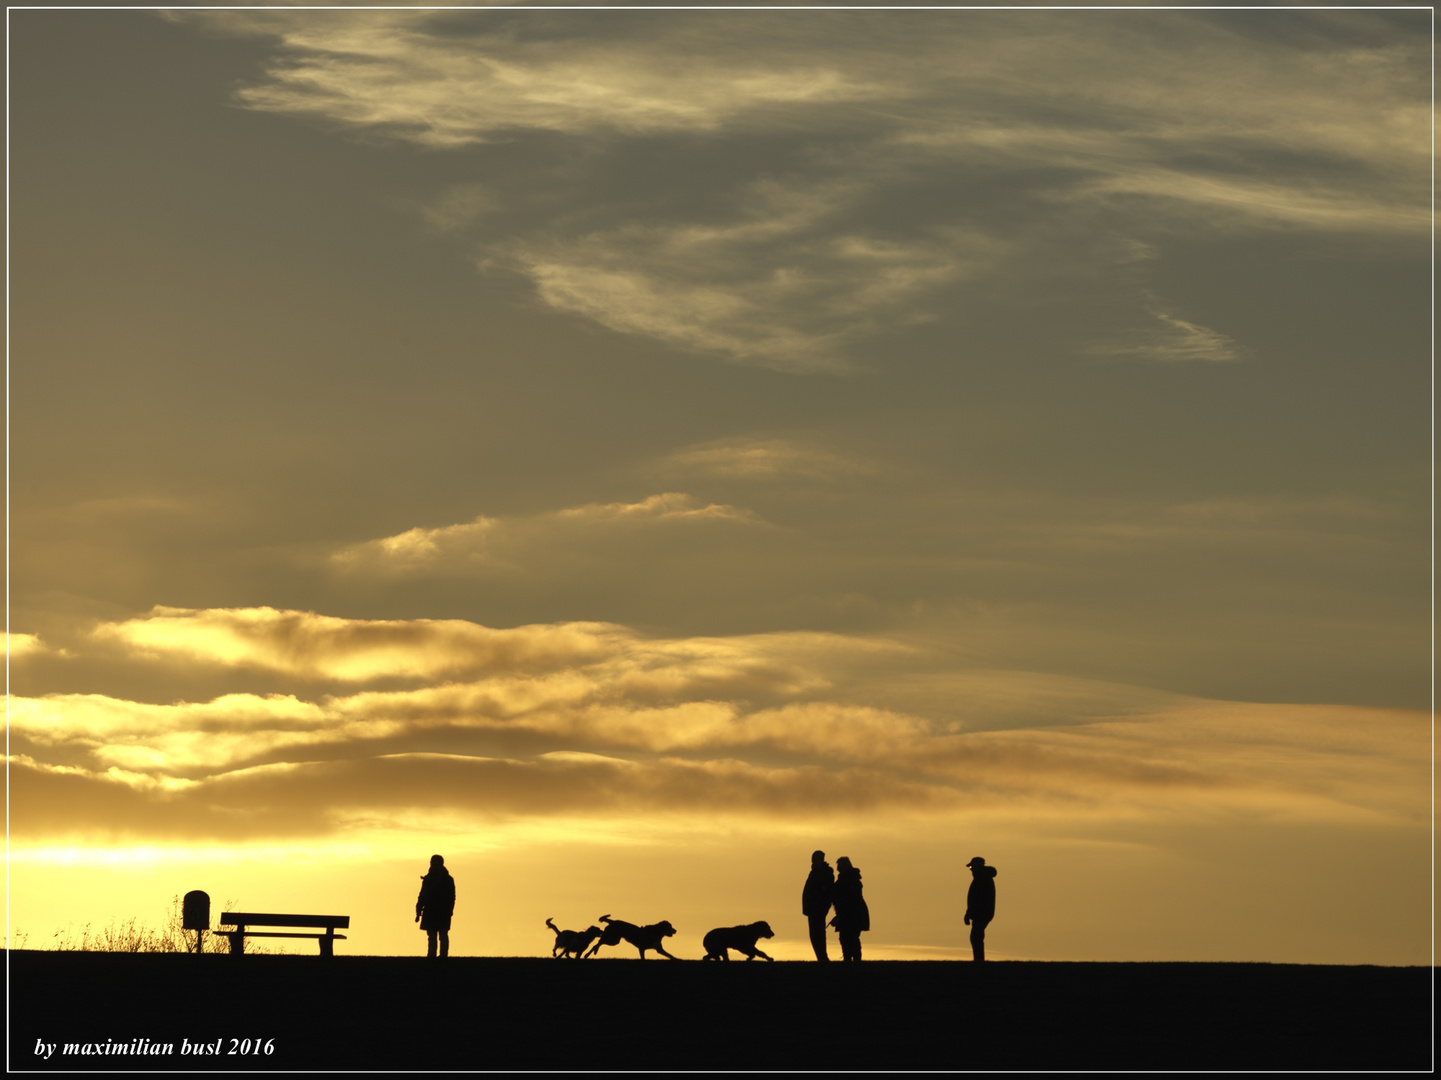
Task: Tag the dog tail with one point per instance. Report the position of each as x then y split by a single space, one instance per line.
605 918
551 925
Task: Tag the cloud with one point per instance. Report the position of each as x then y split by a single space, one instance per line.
494 543
669 506
418 546
544 659
783 283
1238 202
1156 333
880 165
444 84
1266 763
1170 340
26 646
311 799
765 459
320 646
1349 88
1273 524
596 719
460 206
149 742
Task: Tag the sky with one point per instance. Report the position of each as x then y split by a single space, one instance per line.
626 451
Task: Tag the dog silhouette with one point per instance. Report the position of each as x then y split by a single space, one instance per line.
642 937
740 938
572 942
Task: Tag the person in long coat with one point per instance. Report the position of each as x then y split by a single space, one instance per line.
852 914
435 905
980 904
816 901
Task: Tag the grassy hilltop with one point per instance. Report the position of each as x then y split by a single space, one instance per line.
525 1013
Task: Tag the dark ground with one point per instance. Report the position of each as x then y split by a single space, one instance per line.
361 1012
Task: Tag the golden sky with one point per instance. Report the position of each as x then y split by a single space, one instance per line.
626 451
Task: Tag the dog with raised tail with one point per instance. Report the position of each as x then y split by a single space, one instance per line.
572 943
642 937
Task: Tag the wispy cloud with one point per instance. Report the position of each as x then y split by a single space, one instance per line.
1274 525
445 84
668 506
1171 340
765 459
506 542
783 283
901 130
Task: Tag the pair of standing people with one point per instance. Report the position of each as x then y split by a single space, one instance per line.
841 889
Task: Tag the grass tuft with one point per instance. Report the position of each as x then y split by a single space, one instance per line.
130 936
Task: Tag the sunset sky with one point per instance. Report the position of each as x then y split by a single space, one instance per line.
624 451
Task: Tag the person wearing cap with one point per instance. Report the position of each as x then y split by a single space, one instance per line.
980 904
435 905
816 901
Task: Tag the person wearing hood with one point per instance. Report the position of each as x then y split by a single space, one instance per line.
435 905
980 904
852 914
816 901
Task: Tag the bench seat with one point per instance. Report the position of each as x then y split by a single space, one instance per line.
243 920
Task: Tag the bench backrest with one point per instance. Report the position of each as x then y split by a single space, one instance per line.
251 918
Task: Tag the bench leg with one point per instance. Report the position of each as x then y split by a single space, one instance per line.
237 944
327 945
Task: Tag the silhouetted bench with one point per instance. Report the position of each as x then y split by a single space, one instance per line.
243 920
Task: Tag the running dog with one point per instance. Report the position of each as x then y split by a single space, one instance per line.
740 938
642 937
572 942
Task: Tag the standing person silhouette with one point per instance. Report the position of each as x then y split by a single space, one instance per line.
816 901
852 914
980 904
435 905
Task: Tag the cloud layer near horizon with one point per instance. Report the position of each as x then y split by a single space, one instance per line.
595 719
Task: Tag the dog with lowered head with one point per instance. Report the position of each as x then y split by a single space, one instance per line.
740 938
642 937
572 942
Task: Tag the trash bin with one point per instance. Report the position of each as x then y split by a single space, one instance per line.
195 915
